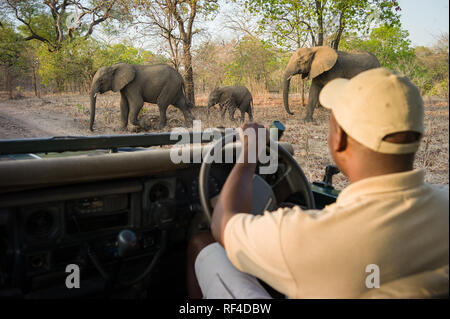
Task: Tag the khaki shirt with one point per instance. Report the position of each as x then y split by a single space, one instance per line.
395 221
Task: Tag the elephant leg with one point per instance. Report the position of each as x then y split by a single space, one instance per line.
162 115
124 109
223 110
312 100
243 107
188 117
135 108
242 115
232 109
165 98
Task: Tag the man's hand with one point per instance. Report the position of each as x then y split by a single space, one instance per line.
237 192
254 138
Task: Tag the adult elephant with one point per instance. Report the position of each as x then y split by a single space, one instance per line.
232 98
158 83
323 64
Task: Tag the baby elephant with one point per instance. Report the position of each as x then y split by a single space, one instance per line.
231 98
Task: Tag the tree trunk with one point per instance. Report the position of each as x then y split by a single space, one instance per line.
188 73
186 34
340 31
35 83
9 83
319 22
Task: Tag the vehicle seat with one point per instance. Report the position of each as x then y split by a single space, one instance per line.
429 284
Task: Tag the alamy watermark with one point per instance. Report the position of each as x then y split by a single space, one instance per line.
373 279
214 152
73 279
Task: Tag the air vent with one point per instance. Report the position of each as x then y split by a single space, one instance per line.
158 192
40 224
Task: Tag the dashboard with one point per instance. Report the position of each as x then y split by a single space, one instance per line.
44 230
70 211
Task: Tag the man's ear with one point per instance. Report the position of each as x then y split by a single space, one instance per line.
342 143
338 137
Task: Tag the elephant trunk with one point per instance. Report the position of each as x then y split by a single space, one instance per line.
93 101
286 83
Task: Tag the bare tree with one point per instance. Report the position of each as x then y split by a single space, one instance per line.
174 20
83 16
157 21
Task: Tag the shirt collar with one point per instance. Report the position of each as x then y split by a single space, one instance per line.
382 184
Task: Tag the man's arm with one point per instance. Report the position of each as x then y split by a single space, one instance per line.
237 192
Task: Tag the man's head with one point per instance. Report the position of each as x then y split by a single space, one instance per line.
376 123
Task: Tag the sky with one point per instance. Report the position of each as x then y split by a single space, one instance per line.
425 20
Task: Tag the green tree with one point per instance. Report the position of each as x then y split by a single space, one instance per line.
389 43
71 67
255 62
12 58
54 21
320 22
210 61
432 65
122 52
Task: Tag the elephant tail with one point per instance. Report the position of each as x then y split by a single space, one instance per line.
250 110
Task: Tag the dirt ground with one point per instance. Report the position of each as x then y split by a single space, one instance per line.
68 115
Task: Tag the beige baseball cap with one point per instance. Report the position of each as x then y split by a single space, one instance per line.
374 104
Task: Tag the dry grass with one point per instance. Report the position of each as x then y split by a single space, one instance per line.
308 139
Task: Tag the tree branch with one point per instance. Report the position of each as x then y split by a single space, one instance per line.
34 35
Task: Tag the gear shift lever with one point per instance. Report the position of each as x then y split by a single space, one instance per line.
127 242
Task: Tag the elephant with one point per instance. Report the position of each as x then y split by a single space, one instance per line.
323 64
231 98
158 83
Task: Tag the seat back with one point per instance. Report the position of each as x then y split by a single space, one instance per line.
430 284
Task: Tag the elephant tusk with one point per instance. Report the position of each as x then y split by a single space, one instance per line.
95 95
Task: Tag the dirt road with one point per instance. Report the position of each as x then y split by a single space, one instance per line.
32 117
68 115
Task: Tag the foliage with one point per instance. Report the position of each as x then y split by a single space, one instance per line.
210 60
250 62
433 67
255 61
12 46
426 67
76 62
121 52
13 61
294 23
53 22
71 63
389 43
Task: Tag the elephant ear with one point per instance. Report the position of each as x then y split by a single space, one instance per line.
324 59
123 74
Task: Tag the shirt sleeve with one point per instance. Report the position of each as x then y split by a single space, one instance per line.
253 245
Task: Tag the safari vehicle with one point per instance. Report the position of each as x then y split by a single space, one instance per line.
117 208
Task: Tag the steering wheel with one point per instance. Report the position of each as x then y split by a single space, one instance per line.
292 180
